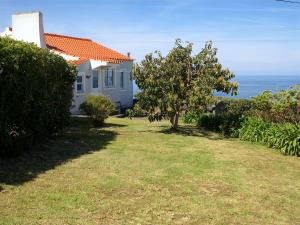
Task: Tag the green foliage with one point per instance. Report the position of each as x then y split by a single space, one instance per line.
226 123
280 107
136 111
284 137
180 81
98 108
191 117
36 94
237 106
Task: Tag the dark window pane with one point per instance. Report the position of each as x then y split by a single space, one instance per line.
79 87
109 78
95 79
122 80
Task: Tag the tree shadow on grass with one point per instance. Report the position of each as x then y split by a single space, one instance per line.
77 140
193 131
113 125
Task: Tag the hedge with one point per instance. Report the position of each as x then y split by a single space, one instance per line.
35 95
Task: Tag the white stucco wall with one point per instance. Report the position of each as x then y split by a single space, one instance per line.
6 33
123 96
29 27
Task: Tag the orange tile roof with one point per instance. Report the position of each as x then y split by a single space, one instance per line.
77 62
83 48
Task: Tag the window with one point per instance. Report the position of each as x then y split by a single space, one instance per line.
109 78
122 77
95 79
79 83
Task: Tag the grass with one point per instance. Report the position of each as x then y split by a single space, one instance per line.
133 172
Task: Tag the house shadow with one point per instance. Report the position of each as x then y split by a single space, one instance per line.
79 139
194 131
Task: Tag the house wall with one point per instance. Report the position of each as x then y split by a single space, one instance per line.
78 98
123 97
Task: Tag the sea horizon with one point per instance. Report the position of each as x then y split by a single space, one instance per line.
253 85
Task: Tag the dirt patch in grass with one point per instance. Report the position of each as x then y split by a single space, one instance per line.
216 189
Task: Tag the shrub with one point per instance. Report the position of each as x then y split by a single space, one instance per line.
280 107
253 129
191 117
98 108
237 106
136 111
36 94
284 137
226 123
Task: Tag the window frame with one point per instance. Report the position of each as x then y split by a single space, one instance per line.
106 78
82 75
122 80
93 74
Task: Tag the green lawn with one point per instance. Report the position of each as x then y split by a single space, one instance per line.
133 172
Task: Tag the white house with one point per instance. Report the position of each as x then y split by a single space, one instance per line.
101 70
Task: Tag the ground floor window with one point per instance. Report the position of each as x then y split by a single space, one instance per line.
79 83
95 79
122 80
109 78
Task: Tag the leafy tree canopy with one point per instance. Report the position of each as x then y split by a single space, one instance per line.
180 81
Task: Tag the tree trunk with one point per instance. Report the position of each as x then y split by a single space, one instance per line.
174 121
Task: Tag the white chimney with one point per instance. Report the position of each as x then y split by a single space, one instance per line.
29 27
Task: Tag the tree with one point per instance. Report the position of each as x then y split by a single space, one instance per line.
180 82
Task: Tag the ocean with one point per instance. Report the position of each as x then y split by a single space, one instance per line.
252 85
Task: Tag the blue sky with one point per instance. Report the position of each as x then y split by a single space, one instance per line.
254 37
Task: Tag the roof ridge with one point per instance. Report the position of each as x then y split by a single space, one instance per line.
65 36
110 49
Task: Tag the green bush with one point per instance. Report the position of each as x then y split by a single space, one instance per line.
98 108
136 111
36 94
237 106
226 123
191 117
284 137
281 107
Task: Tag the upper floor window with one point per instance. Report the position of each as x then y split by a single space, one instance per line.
122 80
95 79
109 78
79 83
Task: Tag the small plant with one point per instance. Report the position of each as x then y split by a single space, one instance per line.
98 108
136 111
253 129
284 137
191 117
